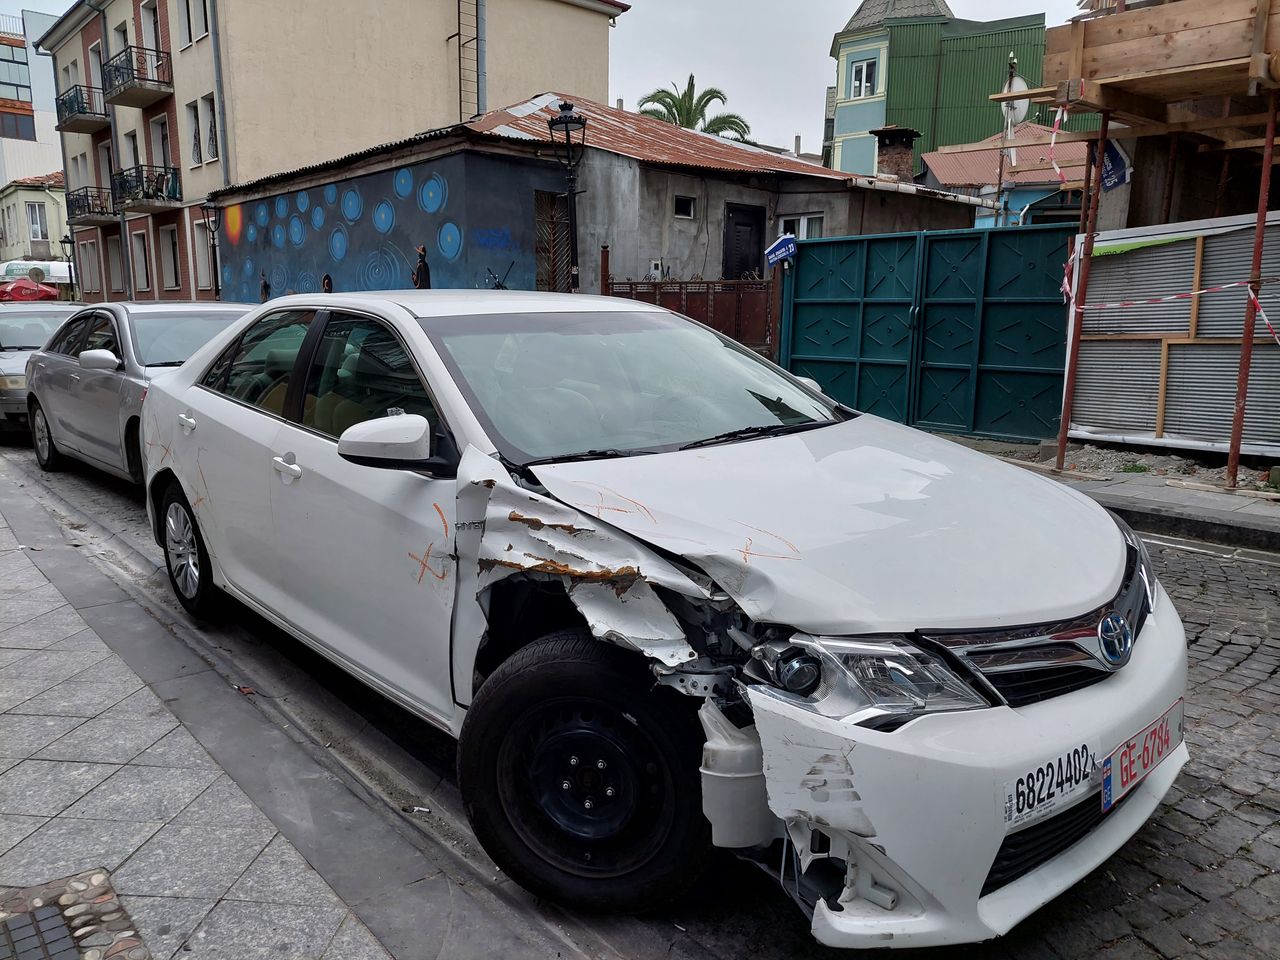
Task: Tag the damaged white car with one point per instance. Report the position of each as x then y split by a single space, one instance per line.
668 597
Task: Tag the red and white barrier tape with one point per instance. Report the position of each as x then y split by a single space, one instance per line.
1115 305
1053 140
1257 305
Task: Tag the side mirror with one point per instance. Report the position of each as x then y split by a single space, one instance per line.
404 442
99 360
811 383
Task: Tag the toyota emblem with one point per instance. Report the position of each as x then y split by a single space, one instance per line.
1116 638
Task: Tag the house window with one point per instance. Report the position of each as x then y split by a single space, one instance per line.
193 20
684 208
160 154
17 126
862 79
138 254
170 260
36 221
115 264
89 275
15 75
806 226
211 125
204 266
193 123
132 157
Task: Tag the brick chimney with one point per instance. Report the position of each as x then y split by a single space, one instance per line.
894 154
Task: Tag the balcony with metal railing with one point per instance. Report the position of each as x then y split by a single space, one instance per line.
81 109
137 77
90 206
147 187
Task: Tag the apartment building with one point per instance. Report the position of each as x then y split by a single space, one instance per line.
32 218
28 140
161 101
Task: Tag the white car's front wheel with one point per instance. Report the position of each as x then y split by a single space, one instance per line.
185 556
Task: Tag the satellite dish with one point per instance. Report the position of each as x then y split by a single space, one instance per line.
1015 111
36 275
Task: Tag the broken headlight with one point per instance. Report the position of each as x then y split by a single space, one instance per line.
880 682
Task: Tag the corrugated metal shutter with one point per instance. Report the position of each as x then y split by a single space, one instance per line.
1139 275
1201 393
1227 258
1116 386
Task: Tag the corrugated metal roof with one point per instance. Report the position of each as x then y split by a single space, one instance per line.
874 12
981 167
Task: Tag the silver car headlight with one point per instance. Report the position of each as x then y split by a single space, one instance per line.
1143 570
13 383
875 681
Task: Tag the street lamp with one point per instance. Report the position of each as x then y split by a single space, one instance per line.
213 222
569 135
68 248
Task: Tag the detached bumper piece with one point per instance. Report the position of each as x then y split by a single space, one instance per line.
1039 843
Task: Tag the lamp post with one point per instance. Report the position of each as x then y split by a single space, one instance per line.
213 222
68 248
569 134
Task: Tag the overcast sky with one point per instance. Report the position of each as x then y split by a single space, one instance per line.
772 59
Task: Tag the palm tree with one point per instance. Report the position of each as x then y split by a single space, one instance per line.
688 108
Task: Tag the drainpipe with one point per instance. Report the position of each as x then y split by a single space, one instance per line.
482 79
221 105
126 253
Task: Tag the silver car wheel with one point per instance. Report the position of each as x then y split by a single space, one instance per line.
180 547
42 435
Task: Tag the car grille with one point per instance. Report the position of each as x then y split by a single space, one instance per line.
1021 687
1027 849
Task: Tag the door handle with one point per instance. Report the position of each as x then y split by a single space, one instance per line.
188 423
291 470
75 378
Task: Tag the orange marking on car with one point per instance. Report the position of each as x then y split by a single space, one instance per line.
443 522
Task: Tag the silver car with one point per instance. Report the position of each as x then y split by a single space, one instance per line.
24 328
85 388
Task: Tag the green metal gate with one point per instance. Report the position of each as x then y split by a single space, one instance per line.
960 330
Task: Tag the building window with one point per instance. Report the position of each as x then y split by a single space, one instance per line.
204 267
17 126
138 254
684 208
193 123
90 278
211 124
36 222
807 226
193 20
131 156
160 153
15 75
170 259
862 79
115 265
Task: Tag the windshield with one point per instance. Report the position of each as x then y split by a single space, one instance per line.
28 330
552 385
168 339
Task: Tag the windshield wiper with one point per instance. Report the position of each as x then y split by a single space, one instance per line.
608 453
757 430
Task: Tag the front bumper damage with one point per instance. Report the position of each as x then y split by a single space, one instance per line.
886 837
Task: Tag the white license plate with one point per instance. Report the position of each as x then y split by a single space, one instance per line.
1130 762
1049 786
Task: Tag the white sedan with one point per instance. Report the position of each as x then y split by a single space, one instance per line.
668 597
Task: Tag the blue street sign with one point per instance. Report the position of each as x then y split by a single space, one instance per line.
1116 168
784 248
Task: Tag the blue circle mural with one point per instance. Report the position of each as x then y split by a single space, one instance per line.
297 232
449 240
282 207
248 266
227 276
384 216
352 205
277 235
330 193
302 200
251 232
261 214
404 182
279 279
338 242
378 272
306 282
433 194
317 217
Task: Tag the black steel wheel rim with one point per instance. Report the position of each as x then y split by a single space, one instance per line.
585 787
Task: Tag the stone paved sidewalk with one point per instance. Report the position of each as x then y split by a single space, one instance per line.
96 772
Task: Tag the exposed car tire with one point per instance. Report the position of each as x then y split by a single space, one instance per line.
185 556
580 776
47 453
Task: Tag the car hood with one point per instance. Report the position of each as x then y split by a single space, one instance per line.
13 363
865 526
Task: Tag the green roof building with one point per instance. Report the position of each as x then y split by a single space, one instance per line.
910 63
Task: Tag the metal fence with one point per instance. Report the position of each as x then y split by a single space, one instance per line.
134 64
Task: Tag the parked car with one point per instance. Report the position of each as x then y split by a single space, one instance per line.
84 389
667 596
24 328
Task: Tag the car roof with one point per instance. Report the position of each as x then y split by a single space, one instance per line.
452 303
37 308
177 306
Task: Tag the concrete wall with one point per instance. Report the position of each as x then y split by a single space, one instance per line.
540 45
875 211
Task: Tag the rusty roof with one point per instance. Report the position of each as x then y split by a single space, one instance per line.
644 138
978 168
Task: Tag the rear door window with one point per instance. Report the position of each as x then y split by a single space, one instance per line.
257 368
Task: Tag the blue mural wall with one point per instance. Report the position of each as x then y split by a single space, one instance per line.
473 213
